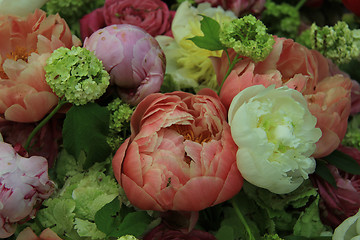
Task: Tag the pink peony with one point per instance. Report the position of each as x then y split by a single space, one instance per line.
180 155
342 202
239 7
151 15
25 44
28 234
132 57
24 184
326 89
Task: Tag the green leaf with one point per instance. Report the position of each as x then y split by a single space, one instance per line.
85 129
225 233
343 162
134 223
322 171
210 40
107 218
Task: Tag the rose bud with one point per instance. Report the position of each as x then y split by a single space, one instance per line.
132 57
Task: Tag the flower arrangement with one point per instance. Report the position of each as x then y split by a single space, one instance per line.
179 119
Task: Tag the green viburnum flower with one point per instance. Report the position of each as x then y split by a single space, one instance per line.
352 137
248 37
76 74
127 237
119 125
339 43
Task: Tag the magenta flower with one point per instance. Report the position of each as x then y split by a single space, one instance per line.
24 184
180 155
132 57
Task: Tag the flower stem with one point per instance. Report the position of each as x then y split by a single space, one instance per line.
242 219
300 4
231 66
43 122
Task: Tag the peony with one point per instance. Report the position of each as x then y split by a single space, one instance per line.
151 15
325 88
349 229
180 155
25 45
239 7
20 7
24 184
132 57
276 136
189 65
28 234
342 202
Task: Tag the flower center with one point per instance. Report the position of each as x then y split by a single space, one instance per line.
19 53
188 134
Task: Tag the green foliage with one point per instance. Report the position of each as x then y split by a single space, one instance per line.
352 137
323 172
119 125
343 162
169 85
85 129
76 74
72 10
248 37
210 40
282 19
116 220
338 42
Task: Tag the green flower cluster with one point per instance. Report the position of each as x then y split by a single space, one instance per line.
248 37
72 10
283 19
119 125
76 74
352 137
339 43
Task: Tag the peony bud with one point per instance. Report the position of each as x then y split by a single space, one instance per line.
132 57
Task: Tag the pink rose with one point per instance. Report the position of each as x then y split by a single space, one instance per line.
239 7
180 155
24 185
326 89
25 44
28 234
342 202
151 15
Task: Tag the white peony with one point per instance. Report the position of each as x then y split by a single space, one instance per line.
348 229
20 7
276 136
189 65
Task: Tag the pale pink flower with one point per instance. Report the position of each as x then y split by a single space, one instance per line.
326 89
180 155
132 57
25 44
24 184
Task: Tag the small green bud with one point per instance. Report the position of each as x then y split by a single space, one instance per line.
76 74
248 37
338 43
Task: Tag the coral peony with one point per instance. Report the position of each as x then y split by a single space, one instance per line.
132 57
151 15
278 122
28 234
344 201
180 155
24 184
25 46
327 90
239 7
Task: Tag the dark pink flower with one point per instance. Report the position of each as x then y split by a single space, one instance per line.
153 16
239 7
342 202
